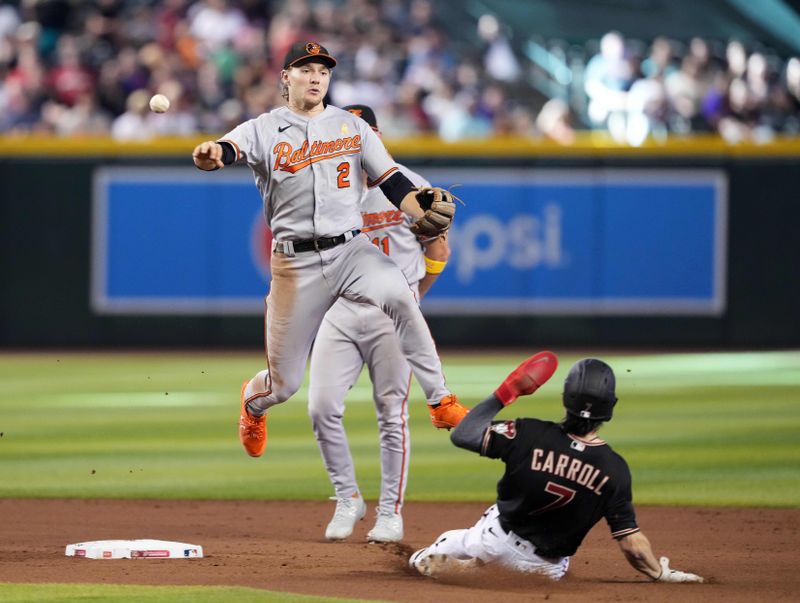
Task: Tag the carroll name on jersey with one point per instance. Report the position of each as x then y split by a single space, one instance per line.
570 468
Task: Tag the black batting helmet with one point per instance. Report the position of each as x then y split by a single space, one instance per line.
589 390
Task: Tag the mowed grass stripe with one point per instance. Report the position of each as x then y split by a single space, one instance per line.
56 593
716 429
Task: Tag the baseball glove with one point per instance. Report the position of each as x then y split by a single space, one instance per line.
439 208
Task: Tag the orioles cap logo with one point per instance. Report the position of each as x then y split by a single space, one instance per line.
356 112
312 48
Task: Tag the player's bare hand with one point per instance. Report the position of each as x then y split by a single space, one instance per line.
208 155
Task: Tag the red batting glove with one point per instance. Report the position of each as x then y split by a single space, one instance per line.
527 377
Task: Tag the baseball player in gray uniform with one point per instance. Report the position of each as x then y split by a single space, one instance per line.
308 160
353 334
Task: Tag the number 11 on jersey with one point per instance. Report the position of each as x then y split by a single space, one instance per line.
382 243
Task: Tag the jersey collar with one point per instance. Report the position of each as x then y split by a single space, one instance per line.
595 442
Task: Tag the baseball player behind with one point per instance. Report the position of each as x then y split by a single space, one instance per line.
308 160
353 334
560 479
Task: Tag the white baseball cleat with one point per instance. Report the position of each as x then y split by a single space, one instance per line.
388 527
348 512
415 560
433 564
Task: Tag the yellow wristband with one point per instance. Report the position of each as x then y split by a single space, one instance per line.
434 266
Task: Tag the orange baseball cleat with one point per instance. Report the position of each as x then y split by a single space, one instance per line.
252 430
527 377
448 413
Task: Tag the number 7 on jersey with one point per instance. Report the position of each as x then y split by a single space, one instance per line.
563 496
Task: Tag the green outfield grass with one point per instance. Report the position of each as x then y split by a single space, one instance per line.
703 429
57 593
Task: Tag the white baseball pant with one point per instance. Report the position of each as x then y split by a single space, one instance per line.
489 543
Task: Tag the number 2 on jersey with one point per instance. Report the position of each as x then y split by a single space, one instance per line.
563 496
344 171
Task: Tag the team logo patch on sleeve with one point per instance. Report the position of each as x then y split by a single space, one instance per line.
506 429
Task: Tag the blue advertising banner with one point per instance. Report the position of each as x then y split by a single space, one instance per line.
178 241
585 242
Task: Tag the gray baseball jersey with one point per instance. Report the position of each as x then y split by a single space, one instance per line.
387 228
310 176
296 160
352 335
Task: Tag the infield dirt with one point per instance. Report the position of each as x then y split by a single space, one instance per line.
747 554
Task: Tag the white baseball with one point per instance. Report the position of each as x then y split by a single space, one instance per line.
159 103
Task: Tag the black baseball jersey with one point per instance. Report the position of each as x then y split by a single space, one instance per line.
557 487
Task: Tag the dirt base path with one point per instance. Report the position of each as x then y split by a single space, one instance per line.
748 554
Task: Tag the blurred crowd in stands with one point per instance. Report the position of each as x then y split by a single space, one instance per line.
88 68
740 95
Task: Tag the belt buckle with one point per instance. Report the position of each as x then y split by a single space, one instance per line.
316 245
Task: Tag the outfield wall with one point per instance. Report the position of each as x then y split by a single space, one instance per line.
691 244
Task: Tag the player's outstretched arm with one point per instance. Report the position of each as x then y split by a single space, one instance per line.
469 432
527 377
637 550
522 381
211 155
208 156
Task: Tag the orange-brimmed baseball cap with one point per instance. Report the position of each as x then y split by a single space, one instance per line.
308 52
364 112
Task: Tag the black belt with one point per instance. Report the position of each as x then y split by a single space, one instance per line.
323 243
544 553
